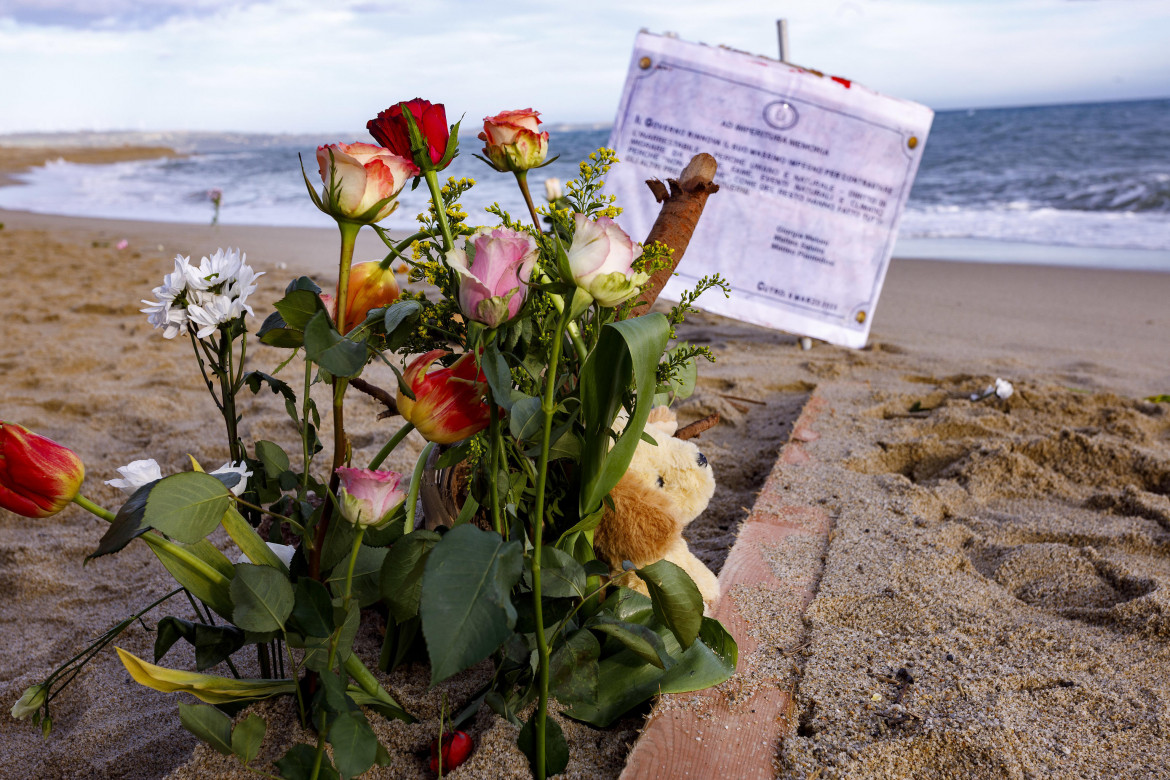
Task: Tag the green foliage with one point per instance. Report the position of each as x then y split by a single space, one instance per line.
188 506
263 598
466 606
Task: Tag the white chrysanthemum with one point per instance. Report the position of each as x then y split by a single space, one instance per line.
206 297
221 267
240 468
136 474
210 310
1003 389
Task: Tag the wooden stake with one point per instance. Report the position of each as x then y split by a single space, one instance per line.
682 206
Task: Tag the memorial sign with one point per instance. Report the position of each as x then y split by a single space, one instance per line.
814 173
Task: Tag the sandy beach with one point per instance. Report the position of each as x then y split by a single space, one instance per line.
1010 557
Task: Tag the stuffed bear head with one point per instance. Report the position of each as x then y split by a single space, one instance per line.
673 466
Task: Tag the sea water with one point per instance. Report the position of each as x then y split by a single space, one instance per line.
1085 184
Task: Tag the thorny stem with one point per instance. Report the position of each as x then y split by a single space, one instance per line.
349 233
440 209
546 406
522 180
494 469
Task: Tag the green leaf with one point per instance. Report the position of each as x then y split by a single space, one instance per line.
338 542
212 643
317 648
247 737
499 377
200 568
312 612
330 350
188 506
249 542
298 307
641 640
561 575
466 606
354 745
209 724
275 459
263 598
628 349
627 682
401 316
297 764
128 525
367 572
525 420
556 755
275 332
678 604
402 573
573 668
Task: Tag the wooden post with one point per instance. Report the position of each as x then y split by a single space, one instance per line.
682 205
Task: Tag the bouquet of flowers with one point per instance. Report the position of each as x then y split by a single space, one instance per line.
514 362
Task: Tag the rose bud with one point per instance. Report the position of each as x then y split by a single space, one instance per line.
38 477
552 189
367 497
449 403
391 130
361 180
370 287
494 268
601 259
513 141
454 747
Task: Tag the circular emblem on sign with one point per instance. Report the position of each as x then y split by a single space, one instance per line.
780 115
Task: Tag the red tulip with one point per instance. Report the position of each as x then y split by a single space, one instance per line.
454 747
390 130
449 403
38 477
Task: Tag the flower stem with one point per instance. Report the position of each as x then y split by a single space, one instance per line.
440 209
494 467
349 233
522 180
547 406
395 440
93 508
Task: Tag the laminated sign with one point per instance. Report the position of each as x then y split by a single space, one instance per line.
813 174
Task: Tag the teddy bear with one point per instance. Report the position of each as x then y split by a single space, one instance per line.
668 484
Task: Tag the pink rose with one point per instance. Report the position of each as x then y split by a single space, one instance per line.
494 268
601 258
513 141
361 180
368 497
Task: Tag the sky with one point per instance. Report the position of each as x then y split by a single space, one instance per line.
328 65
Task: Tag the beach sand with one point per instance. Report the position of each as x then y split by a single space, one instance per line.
1010 556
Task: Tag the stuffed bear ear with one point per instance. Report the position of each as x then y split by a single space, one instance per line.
663 419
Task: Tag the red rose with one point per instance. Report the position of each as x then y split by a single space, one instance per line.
391 131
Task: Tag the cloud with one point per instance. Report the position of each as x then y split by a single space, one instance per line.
111 14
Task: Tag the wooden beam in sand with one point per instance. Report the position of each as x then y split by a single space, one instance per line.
735 730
